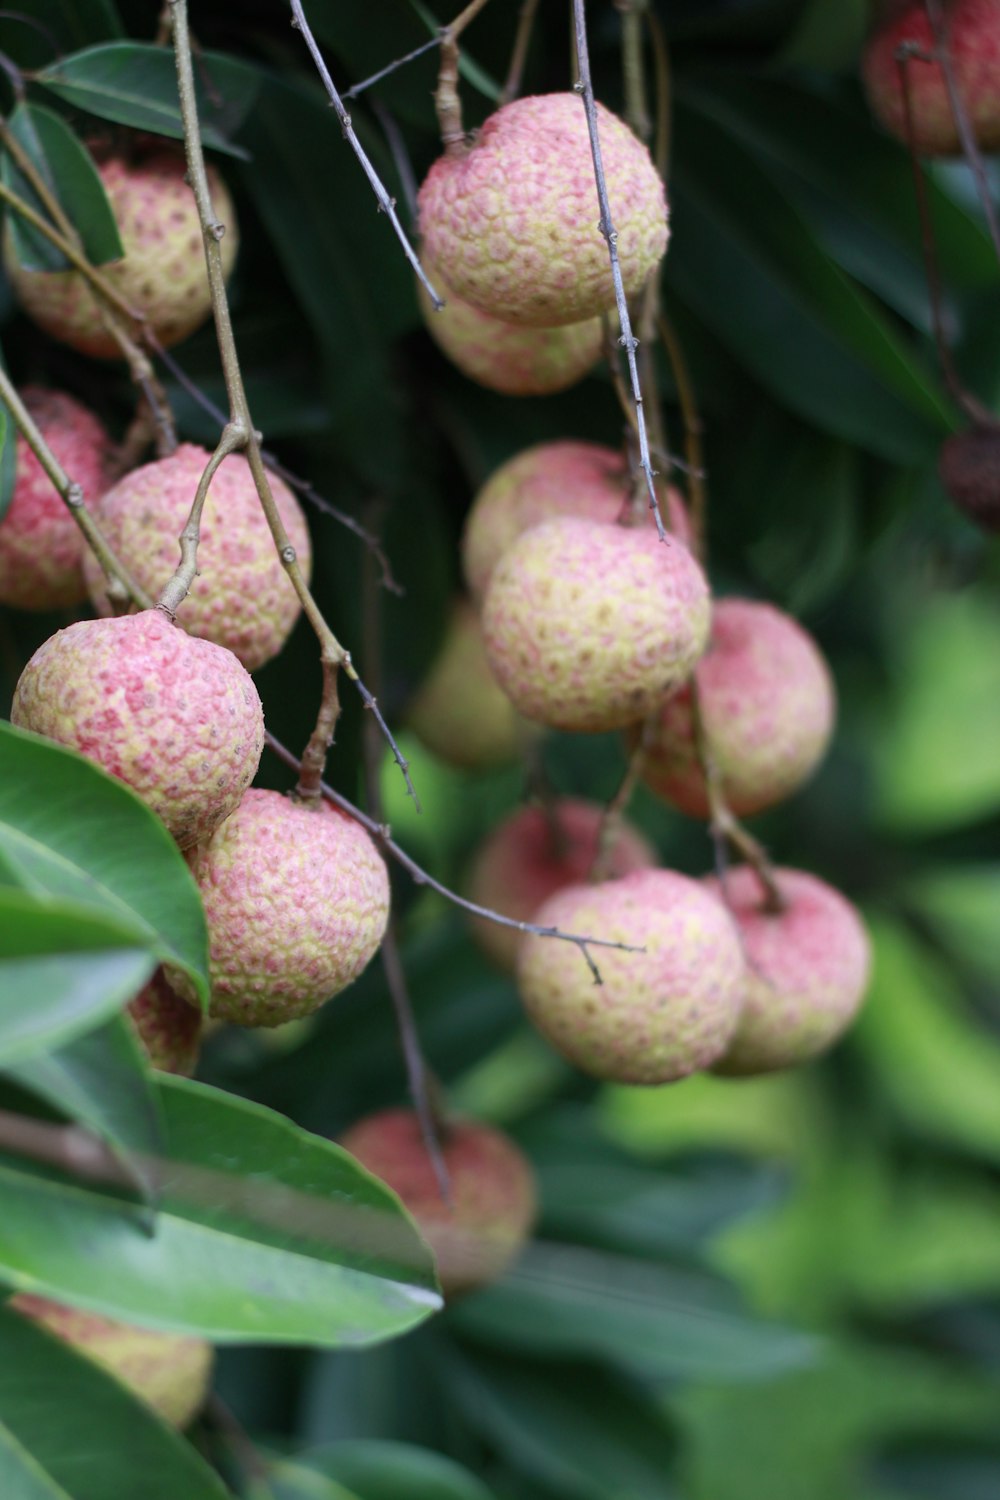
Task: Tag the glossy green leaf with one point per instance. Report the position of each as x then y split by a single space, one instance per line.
62 26
393 1471
961 903
289 1480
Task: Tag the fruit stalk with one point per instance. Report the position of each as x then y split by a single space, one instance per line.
966 135
693 429
177 588
447 101
519 54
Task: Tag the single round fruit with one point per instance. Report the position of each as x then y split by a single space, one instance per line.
492 1189
460 712
41 546
168 1028
535 852
972 28
162 275
297 899
177 719
242 597
566 478
171 1372
512 220
589 626
969 468
807 970
659 1014
768 707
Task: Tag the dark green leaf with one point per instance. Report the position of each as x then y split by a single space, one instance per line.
62 26
67 169
393 1471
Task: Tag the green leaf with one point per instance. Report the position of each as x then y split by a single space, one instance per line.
826 37
68 170
961 903
375 1470
69 831
265 1234
135 83
68 25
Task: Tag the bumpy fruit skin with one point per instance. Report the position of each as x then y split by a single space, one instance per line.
177 719
535 852
296 898
41 546
513 221
969 468
242 598
589 626
566 478
658 1015
492 1186
168 1028
170 1372
162 275
973 30
459 711
807 971
768 705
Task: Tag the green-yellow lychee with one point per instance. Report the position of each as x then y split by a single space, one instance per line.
459 711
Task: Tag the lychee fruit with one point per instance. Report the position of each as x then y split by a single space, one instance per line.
177 719
589 626
768 706
41 546
566 478
972 30
459 712
297 898
242 597
171 1372
660 1013
535 852
807 970
162 275
512 220
477 1237
168 1028
969 469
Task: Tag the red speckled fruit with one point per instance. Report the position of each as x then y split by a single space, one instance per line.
169 1371
162 275
535 852
659 1014
512 222
242 597
807 970
459 712
177 719
41 546
973 31
168 1028
297 900
492 1189
768 705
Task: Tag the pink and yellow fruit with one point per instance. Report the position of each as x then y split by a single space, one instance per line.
168 1028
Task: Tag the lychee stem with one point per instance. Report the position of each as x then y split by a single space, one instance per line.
633 66
965 132
447 100
519 54
613 817
693 429
179 585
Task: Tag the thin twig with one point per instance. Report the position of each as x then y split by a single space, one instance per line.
400 156
966 134
178 587
519 55
633 64
447 100
366 83
693 431
610 828
661 83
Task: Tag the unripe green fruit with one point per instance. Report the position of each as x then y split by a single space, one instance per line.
459 712
168 1028
492 1190
177 719
807 970
659 1014
512 221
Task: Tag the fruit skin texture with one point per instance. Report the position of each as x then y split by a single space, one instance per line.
973 30
41 546
566 478
297 900
492 1187
526 859
768 705
168 1028
162 275
969 468
512 222
242 597
589 626
658 1015
807 971
171 1372
460 712
177 719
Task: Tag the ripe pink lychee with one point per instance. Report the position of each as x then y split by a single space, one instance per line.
168 1028
171 1372
972 28
492 1188
566 478
969 469
659 1014
162 275
768 706
535 852
41 546
807 970
242 597
512 221
177 719
589 626
459 712
297 900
